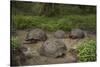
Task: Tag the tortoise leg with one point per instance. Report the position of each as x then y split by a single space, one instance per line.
61 56
34 41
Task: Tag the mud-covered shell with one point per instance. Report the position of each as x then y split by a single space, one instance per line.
60 34
76 33
37 34
53 48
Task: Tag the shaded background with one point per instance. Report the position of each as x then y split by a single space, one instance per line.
52 16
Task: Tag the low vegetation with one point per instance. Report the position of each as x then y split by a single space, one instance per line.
86 22
15 43
52 16
87 51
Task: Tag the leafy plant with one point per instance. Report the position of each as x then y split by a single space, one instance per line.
86 22
87 51
15 43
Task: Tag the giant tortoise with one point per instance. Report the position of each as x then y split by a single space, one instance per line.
60 34
76 33
35 35
53 48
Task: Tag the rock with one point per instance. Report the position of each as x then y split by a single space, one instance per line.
36 35
60 34
76 33
53 48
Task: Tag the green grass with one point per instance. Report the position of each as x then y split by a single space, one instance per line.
87 22
87 51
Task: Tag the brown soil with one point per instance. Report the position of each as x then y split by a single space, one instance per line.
37 59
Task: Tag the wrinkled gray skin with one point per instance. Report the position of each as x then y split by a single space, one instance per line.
60 34
36 35
77 33
53 48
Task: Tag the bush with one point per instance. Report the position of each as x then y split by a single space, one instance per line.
15 43
87 51
86 22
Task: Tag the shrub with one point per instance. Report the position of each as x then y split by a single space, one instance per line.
86 22
15 43
87 51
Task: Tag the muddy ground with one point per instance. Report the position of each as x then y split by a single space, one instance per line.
37 59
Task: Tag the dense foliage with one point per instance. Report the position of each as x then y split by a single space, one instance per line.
50 9
53 23
52 16
87 51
